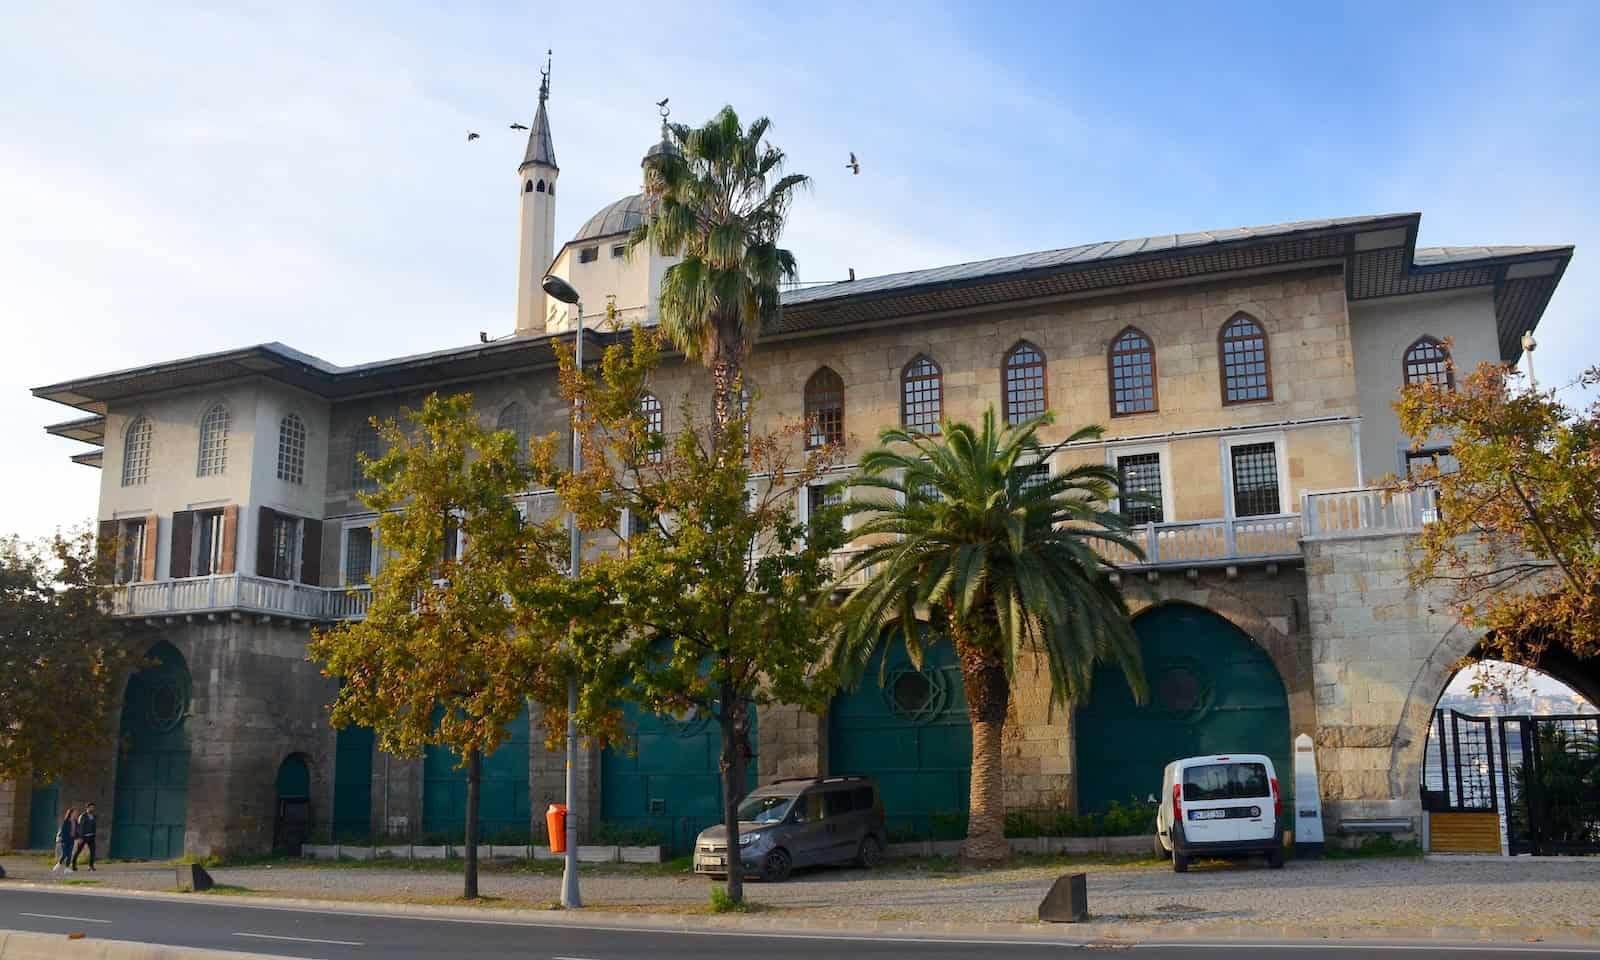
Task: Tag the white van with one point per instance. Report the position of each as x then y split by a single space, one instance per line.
1219 807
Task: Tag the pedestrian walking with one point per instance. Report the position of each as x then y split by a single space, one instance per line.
85 837
66 837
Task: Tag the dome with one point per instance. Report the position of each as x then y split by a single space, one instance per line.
619 217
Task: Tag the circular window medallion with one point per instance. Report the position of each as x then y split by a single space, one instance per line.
1180 689
164 708
915 695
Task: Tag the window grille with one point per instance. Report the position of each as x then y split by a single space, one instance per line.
292 449
824 405
358 555
514 419
650 409
1133 374
588 254
922 396
1138 477
1427 361
1255 480
213 460
1025 383
1032 475
136 453
369 445
1245 373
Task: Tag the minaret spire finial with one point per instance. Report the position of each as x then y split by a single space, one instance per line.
541 146
544 76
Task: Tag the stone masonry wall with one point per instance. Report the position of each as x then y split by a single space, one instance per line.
14 804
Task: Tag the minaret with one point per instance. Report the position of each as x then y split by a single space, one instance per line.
536 224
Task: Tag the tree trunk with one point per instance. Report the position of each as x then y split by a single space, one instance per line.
988 689
474 778
733 773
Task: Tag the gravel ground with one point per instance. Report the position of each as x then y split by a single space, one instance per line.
1402 892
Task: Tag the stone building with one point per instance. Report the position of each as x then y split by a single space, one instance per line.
1244 377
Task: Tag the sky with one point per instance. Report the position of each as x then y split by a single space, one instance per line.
176 180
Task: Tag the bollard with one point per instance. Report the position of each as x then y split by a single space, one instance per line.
193 878
1067 901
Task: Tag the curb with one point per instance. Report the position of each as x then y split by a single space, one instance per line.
18 945
1108 933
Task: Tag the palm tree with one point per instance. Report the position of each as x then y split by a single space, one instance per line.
1002 561
719 200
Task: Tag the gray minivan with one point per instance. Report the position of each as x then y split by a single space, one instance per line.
799 822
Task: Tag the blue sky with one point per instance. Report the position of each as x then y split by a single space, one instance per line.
187 180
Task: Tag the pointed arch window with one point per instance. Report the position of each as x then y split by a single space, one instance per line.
1246 369
540 187
1428 361
213 459
824 405
650 409
292 449
514 419
1133 373
527 187
369 445
1024 375
136 453
921 396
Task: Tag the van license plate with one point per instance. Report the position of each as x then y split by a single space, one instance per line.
711 861
1208 814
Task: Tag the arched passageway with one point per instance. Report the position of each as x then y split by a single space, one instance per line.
152 791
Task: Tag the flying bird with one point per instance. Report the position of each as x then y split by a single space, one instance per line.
662 103
854 164
518 126
471 136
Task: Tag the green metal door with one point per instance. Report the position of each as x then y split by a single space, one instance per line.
668 780
44 817
352 783
912 735
152 792
503 805
1212 691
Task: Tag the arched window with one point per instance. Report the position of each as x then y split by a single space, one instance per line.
921 395
1428 361
540 187
292 449
1133 373
369 443
514 418
1024 371
136 453
1242 347
650 409
527 187
824 403
213 460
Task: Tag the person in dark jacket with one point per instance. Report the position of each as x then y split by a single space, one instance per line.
85 836
66 837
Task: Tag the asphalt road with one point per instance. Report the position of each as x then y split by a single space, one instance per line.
221 925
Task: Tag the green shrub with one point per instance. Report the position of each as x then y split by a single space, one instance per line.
615 835
510 838
722 903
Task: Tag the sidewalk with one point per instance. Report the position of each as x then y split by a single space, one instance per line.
1401 898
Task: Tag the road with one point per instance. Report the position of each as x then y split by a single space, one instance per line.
222 925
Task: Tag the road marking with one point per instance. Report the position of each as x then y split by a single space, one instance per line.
56 916
273 936
571 958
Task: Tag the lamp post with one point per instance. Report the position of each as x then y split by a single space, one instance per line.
563 291
1528 343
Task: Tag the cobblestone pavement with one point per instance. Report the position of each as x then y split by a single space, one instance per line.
1390 892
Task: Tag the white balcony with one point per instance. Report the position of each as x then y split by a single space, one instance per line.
1366 512
238 593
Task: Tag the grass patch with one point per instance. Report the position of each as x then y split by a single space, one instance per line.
540 868
1378 847
81 883
722 903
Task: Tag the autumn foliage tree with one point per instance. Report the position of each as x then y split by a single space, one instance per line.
1516 540
61 657
443 657
714 602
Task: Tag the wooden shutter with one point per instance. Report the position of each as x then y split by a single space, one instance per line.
264 542
311 552
107 542
230 538
182 565
151 528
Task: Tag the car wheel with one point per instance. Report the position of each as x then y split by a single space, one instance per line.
776 868
1275 858
1180 862
1162 853
870 853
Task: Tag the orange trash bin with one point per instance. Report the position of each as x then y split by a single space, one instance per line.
555 823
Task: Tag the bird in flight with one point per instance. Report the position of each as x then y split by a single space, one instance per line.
471 136
662 103
518 126
854 164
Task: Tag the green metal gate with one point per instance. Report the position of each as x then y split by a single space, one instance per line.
671 783
1212 691
44 817
152 792
912 735
352 783
503 793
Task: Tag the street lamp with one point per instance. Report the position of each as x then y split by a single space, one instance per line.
564 291
1528 343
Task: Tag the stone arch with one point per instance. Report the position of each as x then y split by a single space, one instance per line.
150 800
